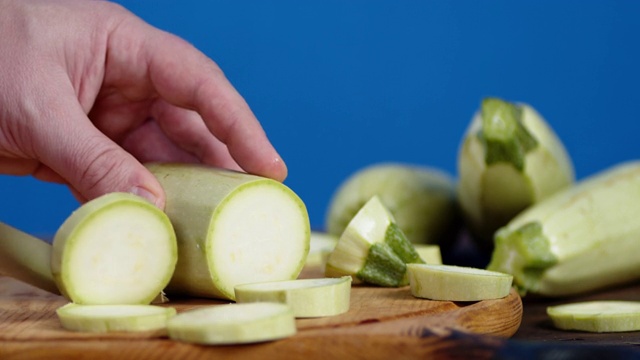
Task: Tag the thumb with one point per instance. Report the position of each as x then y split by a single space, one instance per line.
89 161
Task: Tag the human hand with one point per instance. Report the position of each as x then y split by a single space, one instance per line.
89 92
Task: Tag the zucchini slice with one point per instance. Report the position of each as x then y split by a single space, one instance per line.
307 297
233 324
457 283
112 318
597 316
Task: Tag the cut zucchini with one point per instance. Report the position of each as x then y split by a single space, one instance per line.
233 324
114 318
307 297
26 258
115 249
597 316
422 200
373 249
232 228
321 245
456 283
429 253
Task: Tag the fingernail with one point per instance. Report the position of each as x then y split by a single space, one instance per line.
142 192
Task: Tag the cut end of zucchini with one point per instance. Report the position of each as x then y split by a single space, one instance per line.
369 226
456 283
116 249
597 316
261 233
233 324
307 297
114 318
372 248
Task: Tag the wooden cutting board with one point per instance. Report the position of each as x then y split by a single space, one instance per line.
381 323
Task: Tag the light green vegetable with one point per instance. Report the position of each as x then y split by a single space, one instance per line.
232 228
597 316
114 318
115 249
26 258
581 239
510 158
430 254
372 249
457 283
307 297
321 245
233 324
422 200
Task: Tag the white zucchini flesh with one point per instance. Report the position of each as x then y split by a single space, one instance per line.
233 324
232 228
307 297
115 249
114 318
457 283
597 316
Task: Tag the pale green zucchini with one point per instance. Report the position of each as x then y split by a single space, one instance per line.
510 158
233 324
115 249
422 200
307 297
232 228
457 283
26 258
372 249
114 318
597 316
579 240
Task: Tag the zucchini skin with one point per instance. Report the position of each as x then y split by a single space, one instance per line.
510 158
581 239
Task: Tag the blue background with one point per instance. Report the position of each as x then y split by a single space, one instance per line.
341 84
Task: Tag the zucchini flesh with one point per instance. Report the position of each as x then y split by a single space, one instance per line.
372 249
114 318
115 249
457 283
597 316
233 324
307 297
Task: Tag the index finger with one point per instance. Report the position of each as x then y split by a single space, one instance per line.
185 77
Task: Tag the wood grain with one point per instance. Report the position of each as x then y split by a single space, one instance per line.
381 323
